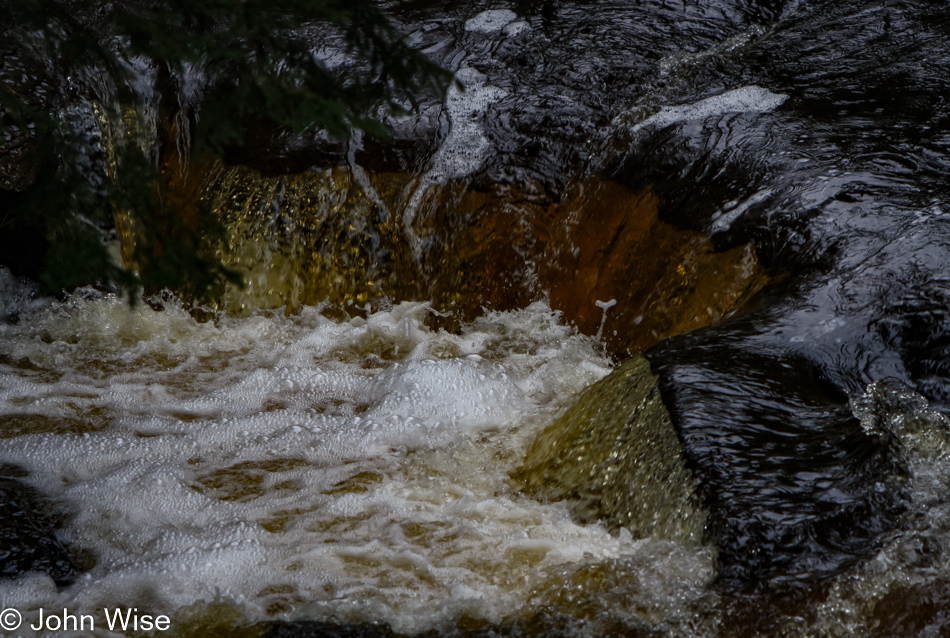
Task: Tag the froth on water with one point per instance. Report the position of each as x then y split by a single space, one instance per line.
349 470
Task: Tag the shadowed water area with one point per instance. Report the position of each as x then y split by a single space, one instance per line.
643 333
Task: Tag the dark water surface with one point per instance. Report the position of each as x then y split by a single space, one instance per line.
836 171
358 472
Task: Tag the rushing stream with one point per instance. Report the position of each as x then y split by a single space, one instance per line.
353 470
646 332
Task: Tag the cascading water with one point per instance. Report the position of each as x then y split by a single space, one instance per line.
303 467
400 425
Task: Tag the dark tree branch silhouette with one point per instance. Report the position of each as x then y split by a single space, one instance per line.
71 66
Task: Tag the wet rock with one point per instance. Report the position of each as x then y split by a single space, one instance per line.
28 524
839 188
19 157
274 151
616 270
23 241
916 322
486 201
614 455
796 488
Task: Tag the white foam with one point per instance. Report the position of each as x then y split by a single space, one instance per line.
465 147
726 217
748 99
374 456
491 21
515 28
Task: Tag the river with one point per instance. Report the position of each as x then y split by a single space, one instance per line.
282 465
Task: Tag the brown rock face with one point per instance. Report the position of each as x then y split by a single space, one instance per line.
505 247
601 255
652 281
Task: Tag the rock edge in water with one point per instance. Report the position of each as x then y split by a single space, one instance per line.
28 523
614 455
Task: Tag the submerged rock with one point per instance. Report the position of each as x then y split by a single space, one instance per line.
614 455
28 524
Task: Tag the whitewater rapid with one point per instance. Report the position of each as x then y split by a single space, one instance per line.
351 470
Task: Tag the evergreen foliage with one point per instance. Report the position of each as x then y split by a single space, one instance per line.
257 63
